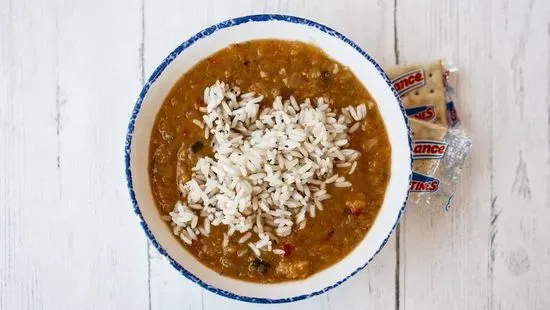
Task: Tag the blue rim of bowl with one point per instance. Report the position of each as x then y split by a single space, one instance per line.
127 154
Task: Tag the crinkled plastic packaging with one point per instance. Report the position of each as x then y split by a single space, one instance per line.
440 146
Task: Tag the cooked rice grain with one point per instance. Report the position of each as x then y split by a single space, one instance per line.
271 167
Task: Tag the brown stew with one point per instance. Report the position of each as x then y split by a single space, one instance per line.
274 68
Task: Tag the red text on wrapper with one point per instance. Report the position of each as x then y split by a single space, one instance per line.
429 149
423 183
425 113
409 81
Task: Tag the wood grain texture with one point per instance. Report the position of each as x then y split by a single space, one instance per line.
23 274
69 240
70 74
482 254
520 238
444 259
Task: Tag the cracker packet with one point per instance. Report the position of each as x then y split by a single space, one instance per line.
440 146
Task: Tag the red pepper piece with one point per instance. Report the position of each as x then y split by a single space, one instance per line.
355 211
288 248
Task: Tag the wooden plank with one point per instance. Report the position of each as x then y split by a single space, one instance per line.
519 245
98 81
26 193
69 79
444 256
373 288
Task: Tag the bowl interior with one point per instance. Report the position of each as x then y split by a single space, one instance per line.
261 27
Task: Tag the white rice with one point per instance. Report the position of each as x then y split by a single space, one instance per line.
191 233
353 167
198 123
254 249
354 114
312 211
271 167
203 232
225 240
332 179
342 184
354 127
185 238
245 237
278 251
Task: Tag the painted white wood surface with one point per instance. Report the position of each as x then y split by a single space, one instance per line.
70 73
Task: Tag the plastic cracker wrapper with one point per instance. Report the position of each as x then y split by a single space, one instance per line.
440 146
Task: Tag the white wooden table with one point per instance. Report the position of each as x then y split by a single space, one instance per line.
70 74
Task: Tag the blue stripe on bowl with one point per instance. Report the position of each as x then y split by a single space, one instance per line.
127 154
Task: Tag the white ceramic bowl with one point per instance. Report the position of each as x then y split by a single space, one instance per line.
211 40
